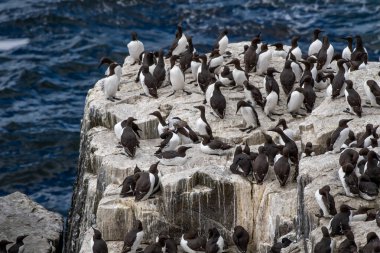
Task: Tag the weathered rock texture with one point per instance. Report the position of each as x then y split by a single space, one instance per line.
21 216
203 192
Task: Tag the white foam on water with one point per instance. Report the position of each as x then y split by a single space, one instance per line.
9 44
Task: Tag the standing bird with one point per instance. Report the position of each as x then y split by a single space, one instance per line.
177 77
216 99
282 167
194 65
98 245
372 241
260 166
118 128
202 126
279 51
249 115
372 167
341 221
348 245
238 73
278 246
270 102
353 99
170 142
242 162
135 48
3 246
294 102
287 131
295 50
309 94
111 83
325 201
308 150
148 82
368 190
108 61
263 59
347 51
359 49
216 61
133 238
226 76
157 247
250 55
174 158
162 125
316 45
325 55
339 136
204 76
372 90
222 42
159 71
349 180
214 147
129 184
338 85
270 82
19 246
326 244
179 44
241 238
287 77
191 242
271 149
215 242
146 183
129 139
186 58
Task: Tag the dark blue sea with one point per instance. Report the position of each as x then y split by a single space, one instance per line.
49 51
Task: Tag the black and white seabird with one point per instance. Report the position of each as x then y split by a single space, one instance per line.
249 115
148 82
149 60
347 51
133 238
186 58
287 77
157 246
348 155
159 72
308 150
214 147
129 139
348 245
253 95
202 126
282 167
263 59
278 246
195 65
287 131
191 242
367 133
177 77
19 246
216 100
353 99
295 101
216 61
316 45
271 148
162 124
242 162
135 48
171 141
215 242
326 244
111 83
322 80
250 55
226 76
241 238
279 51
372 241
185 133
339 136
157 177
3 246
271 101
146 182
325 55
238 73
338 85
368 140
325 202
222 42
295 50
309 66
179 44
341 221
118 128
372 90
204 76
372 167
108 61
309 94
349 180
129 184
359 49
174 158
260 166
98 245
368 190
270 82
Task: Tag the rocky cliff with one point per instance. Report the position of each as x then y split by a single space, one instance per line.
203 192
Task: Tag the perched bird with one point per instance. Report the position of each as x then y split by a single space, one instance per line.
238 73
3 246
316 45
276 248
202 126
372 167
157 247
309 94
241 238
326 244
372 241
347 51
108 61
250 55
308 150
146 182
222 42
215 242
367 133
338 84
204 76
325 55
135 48
171 141
309 70
111 83
349 180
372 90
279 51
253 94
214 147
359 49
226 76
191 242
216 100
350 156
98 245
249 115
177 77
263 59
133 238
260 166
194 65
353 99
187 57
174 158
341 221
294 102
348 245
287 131
282 167
118 128
295 50
129 184
270 102
216 61
270 82
242 163
159 72
325 201
368 190
339 136
129 139
148 82
162 125
179 44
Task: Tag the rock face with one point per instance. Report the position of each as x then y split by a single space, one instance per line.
21 216
204 193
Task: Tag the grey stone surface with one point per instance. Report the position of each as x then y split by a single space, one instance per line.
19 215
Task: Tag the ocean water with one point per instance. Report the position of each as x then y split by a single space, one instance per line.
49 51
